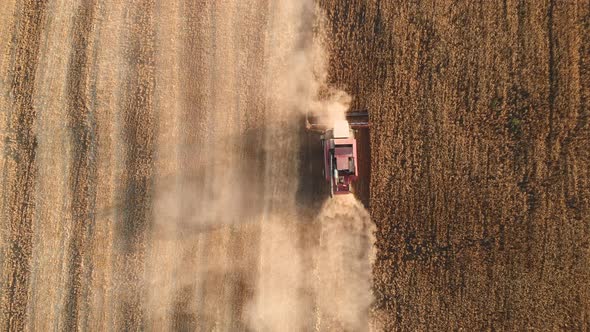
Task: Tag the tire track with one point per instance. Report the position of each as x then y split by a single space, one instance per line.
139 136
7 30
244 242
83 173
20 168
198 125
107 78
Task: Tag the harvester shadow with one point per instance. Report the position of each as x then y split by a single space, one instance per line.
250 156
313 189
182 196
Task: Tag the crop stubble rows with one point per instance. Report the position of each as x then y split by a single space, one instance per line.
81 215
480 183
20 166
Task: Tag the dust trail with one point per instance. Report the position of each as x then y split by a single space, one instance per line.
278 303
187 131
204 254
297 84
344 263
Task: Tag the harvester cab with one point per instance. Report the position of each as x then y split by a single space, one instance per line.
340 150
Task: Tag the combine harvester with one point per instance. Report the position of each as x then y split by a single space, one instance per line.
340 150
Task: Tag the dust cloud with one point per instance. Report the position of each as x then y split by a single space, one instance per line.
344 261
180 181
280 274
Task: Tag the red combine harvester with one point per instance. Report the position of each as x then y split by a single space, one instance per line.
340 150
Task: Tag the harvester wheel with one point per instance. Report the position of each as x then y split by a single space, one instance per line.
331 179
